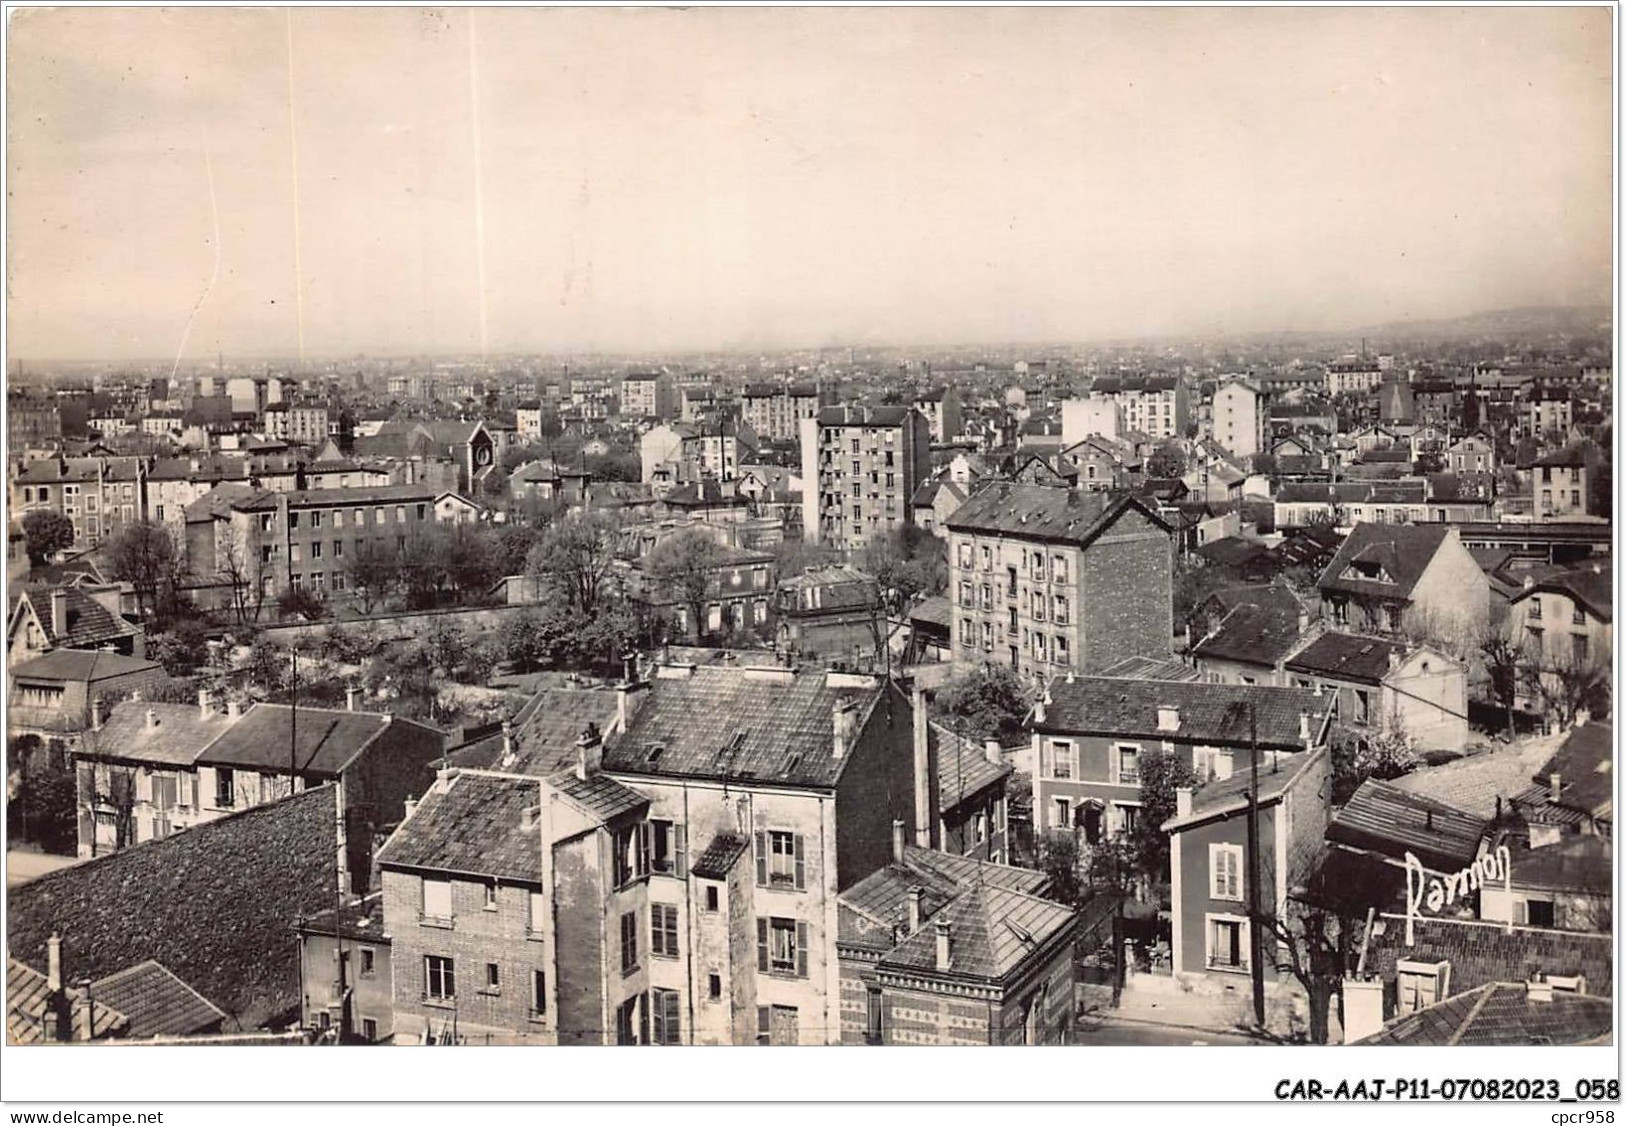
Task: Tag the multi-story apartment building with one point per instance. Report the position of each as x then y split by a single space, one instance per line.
282 541
1469 455
1090 733
528 419
860 467
1090 416
32 423
101 495
1352 375
940 406
682 452
1566 622
738 584
1045 578
650 395
301 424
1158 405
696 401
1241 418
1547 409
1558 485
775 412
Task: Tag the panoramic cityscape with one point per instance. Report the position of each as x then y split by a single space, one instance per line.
530 557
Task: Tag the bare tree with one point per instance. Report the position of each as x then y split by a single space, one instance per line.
574 557
1569 683
145 556
241 574
1500 644
684 568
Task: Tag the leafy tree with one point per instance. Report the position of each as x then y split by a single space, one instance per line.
297 602
1162 774
1059 859
511 546
538 638
574 557
1167 460
1358 754
444 645
684 568
46 533
987 703
144 555
907 563
374 572
608 635
268 665
183 649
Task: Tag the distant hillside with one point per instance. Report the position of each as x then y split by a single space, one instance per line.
1541 320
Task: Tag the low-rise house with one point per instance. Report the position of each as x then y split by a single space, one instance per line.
71 617
831 611
1089 734
1560 485
937 949
1242 634
55 695
1574 791
1567 886
930 635
1384 821
1208 838
1503 1014
1386 685
934 503
738 586
970 811
1566 623
142 1002
344 964
1390 578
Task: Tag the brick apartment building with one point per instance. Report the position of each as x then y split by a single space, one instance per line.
860 468
775 412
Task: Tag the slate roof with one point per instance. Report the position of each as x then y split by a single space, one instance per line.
1346 656
992 932
1225 794
213 904
1383 818
598 795
859 415
476 828
321 741
1591 589
1583 863
182 733
962 768
740 724
362 920
1260 630
1208 713
544 732
89 622
936 610
82 664
1403 551
1043 512
157 1002
1585 764
1152 668
1473 784
881 897
1501 1013
719 857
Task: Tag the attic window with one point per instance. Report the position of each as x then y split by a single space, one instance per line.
655 750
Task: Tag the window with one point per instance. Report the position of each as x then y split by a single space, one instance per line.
631 855
777 1024
437 899
780 860
1224 871
440 978
629 942
1534 607
316 549
1227 943
493 978
666 849
713 987
1059 568
711 897
781 947
368 964
1062 813
663 930
293 520
1579 616
338 552
225 795
1060 609
627 1022
1128 765
490 896
1061 759
1582 648
1540 913
665 1006
338 518
965 556
967 633
369 1029
874 1031
400 514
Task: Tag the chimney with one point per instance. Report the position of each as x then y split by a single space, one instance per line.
1393 659
82 1025
1557 787
629 696
921 721
442 780
529 816
234 710
53 963
96 713
993 751
899 839
1540 990
411 808
350 695
589 752
1182 801
944 945
152 719
59 613
1305 736
1167 719
508 754
841 728
914 894
205 706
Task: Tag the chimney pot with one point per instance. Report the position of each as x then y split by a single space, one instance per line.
59 612
411 808
350 695
1557 786
152 719
205 706
1183 797
944 944
53 963
234 710
1303 728
899 839
993 751
914 894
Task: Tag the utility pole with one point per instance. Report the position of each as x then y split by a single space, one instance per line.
1254 937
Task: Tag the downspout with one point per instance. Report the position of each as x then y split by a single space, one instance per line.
688 910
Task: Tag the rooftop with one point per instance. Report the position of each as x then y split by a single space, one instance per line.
962 767
1227 794
476 826
1384 560
992 931
1382 818
1503 1014
89 623
1205 713
1042 512
82 664
157 1002
1347 656
175 735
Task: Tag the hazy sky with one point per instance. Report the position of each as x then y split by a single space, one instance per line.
718 177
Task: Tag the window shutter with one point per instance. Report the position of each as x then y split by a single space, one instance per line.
764 1024
761 945
660 1017
801 949
761 859
143 786
1045 770
674 1026
643 1018
801 862
643 849
679 836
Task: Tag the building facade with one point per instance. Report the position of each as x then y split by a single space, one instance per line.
860 469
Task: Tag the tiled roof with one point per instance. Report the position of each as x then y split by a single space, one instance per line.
1473 784
475 827
28 1003
598 795
1220 795
1585 764
962 767
1384 819
1502 1014
992 931
1152 668
181 733
362 920
82 664
1402 551
89 622
218 502
1042 512
764 725
1591 588
157 1002
1346 656
936 610
319 741
1256 634
858 415
1583 862
214 904
1208 713
719 857
544 732
882 896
